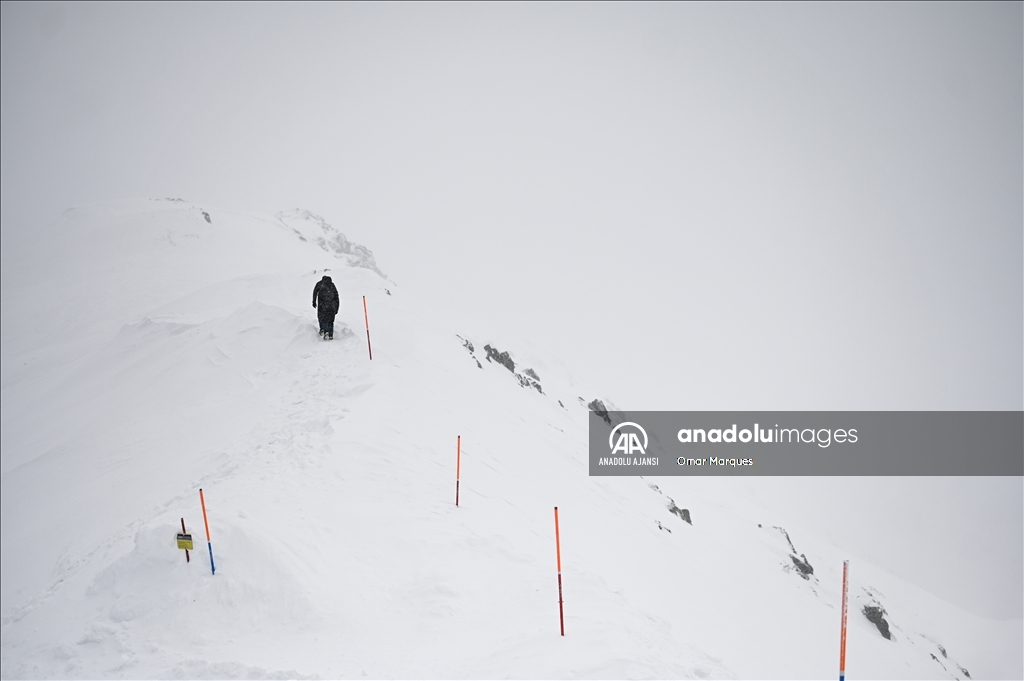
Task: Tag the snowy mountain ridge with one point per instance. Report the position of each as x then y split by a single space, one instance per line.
330 480
308 225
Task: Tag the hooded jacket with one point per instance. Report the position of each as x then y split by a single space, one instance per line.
325 296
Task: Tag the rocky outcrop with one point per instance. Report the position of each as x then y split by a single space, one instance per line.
800 564
876 615
498 357
683 513
803 567
528 378
468 344
311 227
597 406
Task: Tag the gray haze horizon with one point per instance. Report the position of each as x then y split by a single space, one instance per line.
695 207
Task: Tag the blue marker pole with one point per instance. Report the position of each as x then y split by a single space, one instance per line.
209 544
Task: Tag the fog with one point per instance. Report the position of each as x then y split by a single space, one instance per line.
697 206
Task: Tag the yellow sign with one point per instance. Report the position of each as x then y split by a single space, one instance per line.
185 542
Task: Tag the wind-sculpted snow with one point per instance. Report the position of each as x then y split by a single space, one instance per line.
312 227
330 480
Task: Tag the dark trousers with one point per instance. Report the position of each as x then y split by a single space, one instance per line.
326 318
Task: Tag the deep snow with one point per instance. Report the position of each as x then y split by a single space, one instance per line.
148 352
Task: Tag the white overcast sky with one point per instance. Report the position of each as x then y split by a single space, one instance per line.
696 206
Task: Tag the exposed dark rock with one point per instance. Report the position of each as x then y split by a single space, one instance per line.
207 216
560 404
662 527
466 343
597 406
683 513
330 239
387 292
529 379
938 660
964 671
788 540
875 615
942 650
502 358
802 566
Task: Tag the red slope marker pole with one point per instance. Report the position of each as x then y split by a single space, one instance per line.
458 466
209 544
366 316
842 635
184 532
558 552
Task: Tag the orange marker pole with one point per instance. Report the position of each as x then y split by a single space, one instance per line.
558 552
209 544
458 466
184 532
842 635
366 316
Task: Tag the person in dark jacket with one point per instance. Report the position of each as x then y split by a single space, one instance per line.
326 302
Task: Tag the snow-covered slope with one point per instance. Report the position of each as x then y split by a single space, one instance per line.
153 348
